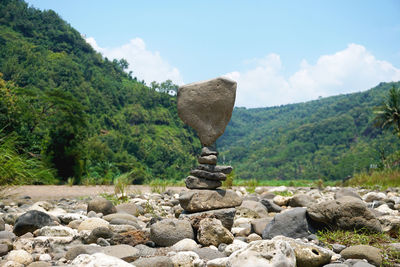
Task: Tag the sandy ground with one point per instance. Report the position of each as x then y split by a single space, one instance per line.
47 192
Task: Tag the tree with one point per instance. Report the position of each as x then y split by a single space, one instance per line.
388 114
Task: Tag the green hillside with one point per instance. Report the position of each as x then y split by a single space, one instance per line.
82 115
329 138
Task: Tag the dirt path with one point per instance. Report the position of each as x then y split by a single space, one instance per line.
47 192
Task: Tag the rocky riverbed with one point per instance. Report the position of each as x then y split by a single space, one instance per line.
275 226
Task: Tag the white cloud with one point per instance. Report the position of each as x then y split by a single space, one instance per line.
350 70
144 64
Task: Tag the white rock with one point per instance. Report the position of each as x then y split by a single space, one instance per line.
260 189
12 264
235 246
60 231
253 237
69 217
218 262
264 253
281 200
45 257
186 259
386 210
98 260
20 256
281 188
92 223
186 244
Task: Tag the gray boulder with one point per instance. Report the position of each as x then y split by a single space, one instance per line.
215 168
207 107
292 223
270 205
202 200
251 209
101 205
216 176
31 221
301 200
345 213
169 231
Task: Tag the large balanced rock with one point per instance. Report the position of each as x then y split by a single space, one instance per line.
193 182
207 107
202 200
169 231
345 213
31 221
101 205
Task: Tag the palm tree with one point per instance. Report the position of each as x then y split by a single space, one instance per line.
388 113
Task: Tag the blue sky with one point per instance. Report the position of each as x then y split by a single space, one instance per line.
279 52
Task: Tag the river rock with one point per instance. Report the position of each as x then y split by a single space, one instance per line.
207 107
251 209
158 261
211 160
202 200
99 259
307 255
226 216
371 254
101 205
169 231
264 253
92 223
216 176
345 213
292 223
128 208
300 200
31 221
212 232
215 168
350 192
207 151
200 183
20 256
270 205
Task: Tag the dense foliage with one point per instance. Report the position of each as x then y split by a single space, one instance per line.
79 113
330 138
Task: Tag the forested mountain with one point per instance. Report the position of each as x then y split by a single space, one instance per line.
81 114
329 138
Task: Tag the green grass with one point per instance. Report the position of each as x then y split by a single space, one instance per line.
384 179
378 240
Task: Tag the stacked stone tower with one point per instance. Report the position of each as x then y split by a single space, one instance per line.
207 107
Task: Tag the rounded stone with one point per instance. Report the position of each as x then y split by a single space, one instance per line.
101 205
31 221
92 223
20 256
371 254
169 231
212 232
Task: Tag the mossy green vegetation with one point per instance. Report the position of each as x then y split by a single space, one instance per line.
377 179
81 115
390 256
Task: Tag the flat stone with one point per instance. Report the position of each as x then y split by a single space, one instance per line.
301 200
251 209
99 259
211 160
158 261
193 182
226 216
202 200
270 205
258 225
215 168
208 253
350 192
215 176
207 151
207 107
371 254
